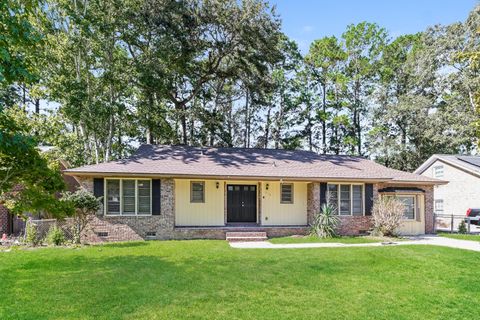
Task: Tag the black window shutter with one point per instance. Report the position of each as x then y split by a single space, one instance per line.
368 199
323 194
156 197
98 187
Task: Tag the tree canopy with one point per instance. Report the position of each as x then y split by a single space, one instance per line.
108 75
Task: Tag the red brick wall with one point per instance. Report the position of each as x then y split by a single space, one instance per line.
353 225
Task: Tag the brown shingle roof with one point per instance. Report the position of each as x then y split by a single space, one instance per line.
238 162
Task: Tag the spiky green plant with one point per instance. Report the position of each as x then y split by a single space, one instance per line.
325 222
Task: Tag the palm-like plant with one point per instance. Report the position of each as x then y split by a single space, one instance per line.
324 222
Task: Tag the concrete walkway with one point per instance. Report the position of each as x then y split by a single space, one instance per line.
423 240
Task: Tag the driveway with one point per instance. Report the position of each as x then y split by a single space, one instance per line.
421 240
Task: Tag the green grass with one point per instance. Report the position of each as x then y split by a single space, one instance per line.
210 280
309 239
473 237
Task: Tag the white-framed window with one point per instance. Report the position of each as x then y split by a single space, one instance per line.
438 171
347 199
439 206
286 193
410 207
128 197
197 191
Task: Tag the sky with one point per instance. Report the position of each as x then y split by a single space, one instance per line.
307 20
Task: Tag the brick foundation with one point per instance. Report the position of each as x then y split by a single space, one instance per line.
352 225
219 232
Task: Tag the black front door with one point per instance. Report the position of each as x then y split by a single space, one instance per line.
241 203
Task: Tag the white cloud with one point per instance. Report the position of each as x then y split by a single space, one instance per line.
307 29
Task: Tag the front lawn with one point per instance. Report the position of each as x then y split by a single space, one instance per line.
310 239
210 280
459 236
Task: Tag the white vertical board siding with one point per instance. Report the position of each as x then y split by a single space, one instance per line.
414 227
276 213
208 213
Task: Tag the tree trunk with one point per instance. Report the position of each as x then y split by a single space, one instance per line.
246 143
324 123
180 107
267 127
278 124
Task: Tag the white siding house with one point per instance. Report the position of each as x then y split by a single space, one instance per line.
463 188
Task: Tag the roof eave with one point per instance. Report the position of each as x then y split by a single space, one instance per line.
224 177
417 182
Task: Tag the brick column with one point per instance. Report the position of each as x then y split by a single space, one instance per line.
167 202
429 228
313 200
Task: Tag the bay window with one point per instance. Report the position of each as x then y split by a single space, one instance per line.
346 199
409 204
128 197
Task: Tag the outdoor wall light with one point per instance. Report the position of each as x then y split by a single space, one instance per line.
266 186
217 184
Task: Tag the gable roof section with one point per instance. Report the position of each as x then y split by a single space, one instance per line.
185 161
470 164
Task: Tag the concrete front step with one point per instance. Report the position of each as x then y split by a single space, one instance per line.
245 236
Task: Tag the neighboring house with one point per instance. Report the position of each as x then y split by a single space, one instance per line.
179 192
463 188
12 224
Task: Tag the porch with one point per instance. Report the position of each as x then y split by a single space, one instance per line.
220 232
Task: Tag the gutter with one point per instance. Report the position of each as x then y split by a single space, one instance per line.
263 178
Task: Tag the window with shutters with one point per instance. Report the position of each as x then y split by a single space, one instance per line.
286 193
197 191
346 199
128 197
113 196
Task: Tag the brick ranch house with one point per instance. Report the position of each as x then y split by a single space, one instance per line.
180 192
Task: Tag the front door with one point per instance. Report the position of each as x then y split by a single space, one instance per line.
241 203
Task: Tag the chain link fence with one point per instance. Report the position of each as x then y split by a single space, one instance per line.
42 227
451 222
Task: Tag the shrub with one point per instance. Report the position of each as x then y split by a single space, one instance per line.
462 227
86 205
324 222
387 215
31 234
55 236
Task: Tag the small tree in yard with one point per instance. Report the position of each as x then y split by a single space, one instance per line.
55 236
324 222
86 205
462 227
387 214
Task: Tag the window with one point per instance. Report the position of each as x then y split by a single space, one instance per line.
438 171
128 197
347 199
357 200
197 191
143 192
113 196
439 206
286 193
409 203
